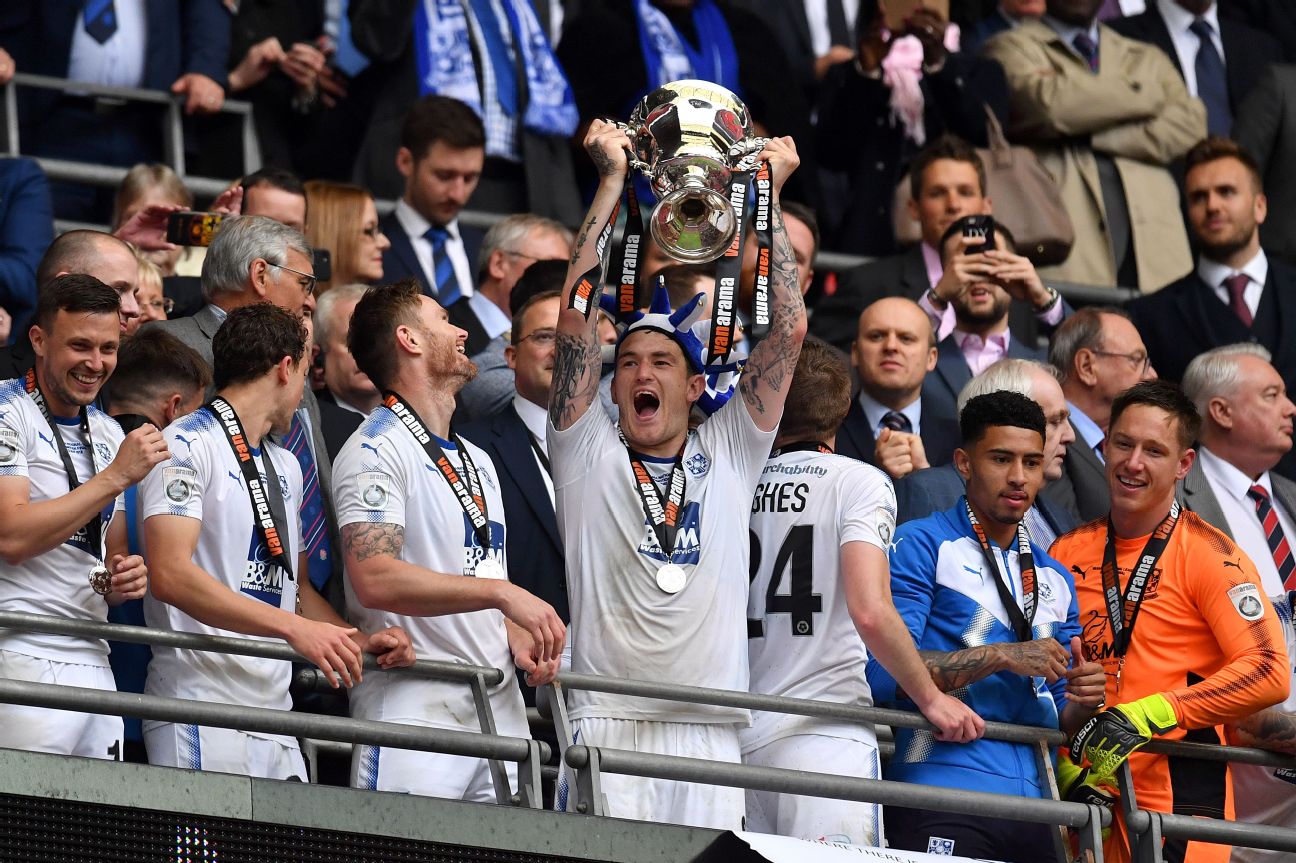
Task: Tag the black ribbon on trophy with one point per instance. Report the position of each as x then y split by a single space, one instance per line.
693 141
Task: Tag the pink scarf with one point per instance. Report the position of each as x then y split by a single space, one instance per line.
902 73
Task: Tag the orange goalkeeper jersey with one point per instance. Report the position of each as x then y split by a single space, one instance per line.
1205 638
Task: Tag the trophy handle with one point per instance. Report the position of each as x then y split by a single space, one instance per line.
636 164
745 153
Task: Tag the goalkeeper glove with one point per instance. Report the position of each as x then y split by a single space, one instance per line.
1076 784
1109 738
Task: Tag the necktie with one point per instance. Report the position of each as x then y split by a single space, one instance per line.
100 20
447 285
896 421
1098 449
506 85
838 30
314 531
1212 84
1088 49
1236 285
1282 555
1110 9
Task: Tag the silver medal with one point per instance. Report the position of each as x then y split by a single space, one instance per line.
101 579
671 577
489 567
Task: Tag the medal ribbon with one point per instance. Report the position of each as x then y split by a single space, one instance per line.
625 261
664 519
1021 618
760 311
589 287
94 527
267 504
1122 611
469 494
728 272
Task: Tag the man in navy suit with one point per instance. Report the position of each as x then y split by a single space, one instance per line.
926 491
981 287
181 46
443 149
26 230
890 425
516 439
1237 293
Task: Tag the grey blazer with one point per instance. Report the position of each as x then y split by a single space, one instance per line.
197 332
1082 490
1195 493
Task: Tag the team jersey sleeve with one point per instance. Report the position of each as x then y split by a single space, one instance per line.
15 433
913 584
733 435
177 486
868 508
1256 673
1067 628
370 483
575 450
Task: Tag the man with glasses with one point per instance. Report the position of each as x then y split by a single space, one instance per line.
255 259
1100 354
525 482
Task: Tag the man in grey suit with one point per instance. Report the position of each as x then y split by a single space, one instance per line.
1246 429
935 489
255 259
1099 354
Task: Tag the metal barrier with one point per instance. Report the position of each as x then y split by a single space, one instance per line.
588 763
172 131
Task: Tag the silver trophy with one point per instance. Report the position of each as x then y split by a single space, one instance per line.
689 137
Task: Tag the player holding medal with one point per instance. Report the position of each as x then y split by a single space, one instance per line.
63 466
423 533
654 518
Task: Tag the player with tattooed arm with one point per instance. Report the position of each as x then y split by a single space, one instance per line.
423 532
993 617
656 544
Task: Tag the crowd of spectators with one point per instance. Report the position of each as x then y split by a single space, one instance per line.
955 405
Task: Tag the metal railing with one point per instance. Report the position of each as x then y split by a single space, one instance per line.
172 130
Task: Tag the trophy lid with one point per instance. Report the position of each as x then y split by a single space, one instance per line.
688 114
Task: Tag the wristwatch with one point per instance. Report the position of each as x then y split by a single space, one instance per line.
1053 300
937 301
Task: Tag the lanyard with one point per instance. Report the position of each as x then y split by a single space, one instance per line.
729 272
1122 611
764 230
1021 619
469 494
803 446
94 527
540 454
267 504
663 519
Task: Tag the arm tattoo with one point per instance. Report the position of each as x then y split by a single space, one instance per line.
580 240
575 378
774 359
602 162
1271 729
364 541
961 668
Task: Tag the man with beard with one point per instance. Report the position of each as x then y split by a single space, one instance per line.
1237 293
981 287
445 581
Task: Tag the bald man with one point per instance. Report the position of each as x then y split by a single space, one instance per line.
890 424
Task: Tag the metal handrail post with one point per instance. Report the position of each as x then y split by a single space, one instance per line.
486 718
173 137
1048 784
11 119
1090 837
588 781
251 146
530 786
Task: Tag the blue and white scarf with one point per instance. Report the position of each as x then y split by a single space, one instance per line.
669 57
445 63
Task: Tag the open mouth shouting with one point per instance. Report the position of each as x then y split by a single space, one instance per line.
646 404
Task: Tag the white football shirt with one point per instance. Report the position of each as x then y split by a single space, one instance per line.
202 480
383 475
57 582
803 643
623 624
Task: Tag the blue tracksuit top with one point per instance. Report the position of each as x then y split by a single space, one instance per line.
949 602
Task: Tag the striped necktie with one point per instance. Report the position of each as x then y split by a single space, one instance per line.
447 285
1282 554
315 539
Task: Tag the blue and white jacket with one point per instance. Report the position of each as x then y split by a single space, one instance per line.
949 602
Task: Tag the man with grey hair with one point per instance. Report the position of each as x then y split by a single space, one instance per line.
1246 429
939 488
348 395
255 259
1099 354
509 247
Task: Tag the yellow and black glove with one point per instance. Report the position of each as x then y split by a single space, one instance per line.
1110 737
1076 784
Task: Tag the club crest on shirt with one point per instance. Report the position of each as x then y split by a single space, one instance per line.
263 579
103 455
178 484
937 845
688 539
9 446
884 521
1247 601
697 465
473 552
